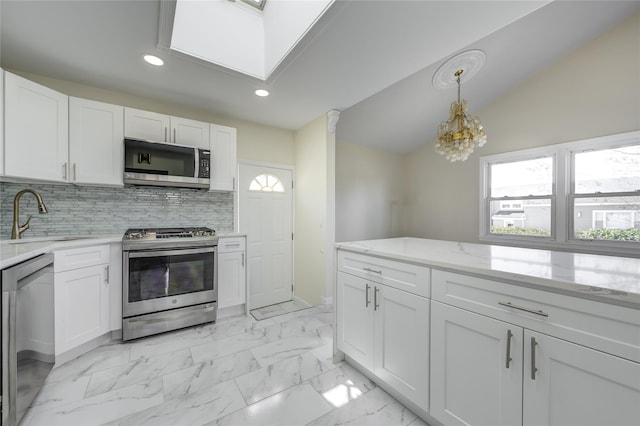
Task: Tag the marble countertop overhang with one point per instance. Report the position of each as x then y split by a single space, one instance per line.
610 279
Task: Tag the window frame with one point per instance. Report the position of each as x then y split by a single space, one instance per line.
262 187
485 199
563 196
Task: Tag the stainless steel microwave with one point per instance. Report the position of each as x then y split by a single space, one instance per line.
164 164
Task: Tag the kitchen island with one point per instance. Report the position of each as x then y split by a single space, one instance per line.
480 334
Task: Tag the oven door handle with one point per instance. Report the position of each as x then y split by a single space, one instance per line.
173 252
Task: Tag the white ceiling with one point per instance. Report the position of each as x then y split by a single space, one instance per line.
371 59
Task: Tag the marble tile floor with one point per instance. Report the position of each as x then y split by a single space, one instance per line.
278 309
237 371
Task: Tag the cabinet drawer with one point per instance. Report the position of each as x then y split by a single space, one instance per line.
609 328
66 260
229 244
404 276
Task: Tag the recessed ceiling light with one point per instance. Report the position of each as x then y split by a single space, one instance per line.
262 92
153 60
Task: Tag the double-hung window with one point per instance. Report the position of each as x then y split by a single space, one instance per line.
580 194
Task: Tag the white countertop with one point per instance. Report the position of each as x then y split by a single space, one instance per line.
609 279
12 252
230 234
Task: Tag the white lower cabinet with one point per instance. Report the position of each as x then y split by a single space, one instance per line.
82 296
471 381
232 279
355 317
575 385
115 282
82 306
401 322
386 330
490 371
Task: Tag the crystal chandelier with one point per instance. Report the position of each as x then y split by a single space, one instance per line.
460 135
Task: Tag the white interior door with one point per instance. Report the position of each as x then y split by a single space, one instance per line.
265 207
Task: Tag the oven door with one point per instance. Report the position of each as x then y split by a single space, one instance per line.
158 280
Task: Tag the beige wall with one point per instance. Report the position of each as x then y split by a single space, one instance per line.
370 186
594 91
256 142
311 188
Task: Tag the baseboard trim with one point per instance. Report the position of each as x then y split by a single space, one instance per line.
231 311
84 348
302 302
326 300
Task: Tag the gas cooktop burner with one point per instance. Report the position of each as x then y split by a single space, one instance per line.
158 233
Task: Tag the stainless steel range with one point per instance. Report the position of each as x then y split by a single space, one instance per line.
169 279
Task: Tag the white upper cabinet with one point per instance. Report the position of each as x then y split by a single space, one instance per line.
146 125
223 158
36 131
1 122
155 127
189 132
96 148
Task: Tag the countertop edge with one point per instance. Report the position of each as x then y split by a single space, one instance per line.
14 253
627 300
27 250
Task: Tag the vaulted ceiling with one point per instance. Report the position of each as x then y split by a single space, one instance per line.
373 60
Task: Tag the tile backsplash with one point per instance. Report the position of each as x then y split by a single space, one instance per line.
78 210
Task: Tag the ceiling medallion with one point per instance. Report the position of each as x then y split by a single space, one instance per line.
460 134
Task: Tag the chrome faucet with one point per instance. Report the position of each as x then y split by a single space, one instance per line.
17 229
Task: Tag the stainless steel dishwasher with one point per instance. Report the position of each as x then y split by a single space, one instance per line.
27 334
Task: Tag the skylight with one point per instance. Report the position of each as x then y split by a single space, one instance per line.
258 4
255 44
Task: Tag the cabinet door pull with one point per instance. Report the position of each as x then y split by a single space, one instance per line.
64 171
375 298
533 358
521 308
106 275
233 187
175 139
509 336
366 296
165 134
75 173
372 270
243 260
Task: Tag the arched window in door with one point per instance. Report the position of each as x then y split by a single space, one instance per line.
266 183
